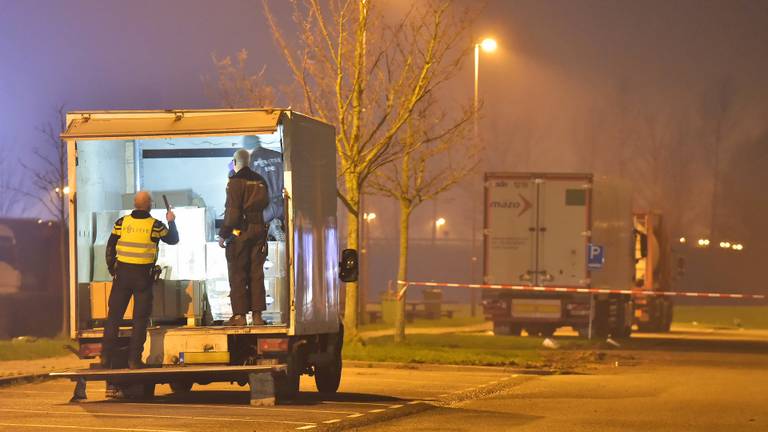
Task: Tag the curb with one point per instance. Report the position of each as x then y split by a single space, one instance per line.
445 367
23 379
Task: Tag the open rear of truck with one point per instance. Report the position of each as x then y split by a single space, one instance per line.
186 155
541 230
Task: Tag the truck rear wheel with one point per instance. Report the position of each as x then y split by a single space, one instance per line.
181 387
287 383
328 377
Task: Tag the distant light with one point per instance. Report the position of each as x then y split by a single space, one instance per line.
440 222
66 190
57 190
683 240
737 246
369 216
39 221
488 45
703 242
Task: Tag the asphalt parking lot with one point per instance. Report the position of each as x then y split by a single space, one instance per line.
367 394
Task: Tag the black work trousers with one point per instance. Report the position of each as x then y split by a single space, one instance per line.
130 280
246 254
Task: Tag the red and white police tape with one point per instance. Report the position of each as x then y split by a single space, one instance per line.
406 284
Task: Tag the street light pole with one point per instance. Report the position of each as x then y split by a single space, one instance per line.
475 107
488 45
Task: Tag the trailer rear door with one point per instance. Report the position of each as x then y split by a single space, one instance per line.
510 229
563 209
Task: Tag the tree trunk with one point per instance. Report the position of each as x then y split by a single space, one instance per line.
353 234
402 272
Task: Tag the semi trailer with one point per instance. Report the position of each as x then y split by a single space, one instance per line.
558 230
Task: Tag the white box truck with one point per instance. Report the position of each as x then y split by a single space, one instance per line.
558 230
186 155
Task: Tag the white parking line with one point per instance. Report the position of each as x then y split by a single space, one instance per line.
376 411
355 403
306 427
250 408
232 419
332 421
49 426
355 415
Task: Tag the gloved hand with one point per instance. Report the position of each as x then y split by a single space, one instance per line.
275 230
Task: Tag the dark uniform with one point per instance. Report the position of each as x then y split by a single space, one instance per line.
131 256
269 164
247 197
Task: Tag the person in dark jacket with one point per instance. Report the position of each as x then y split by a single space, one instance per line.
131 256
244 235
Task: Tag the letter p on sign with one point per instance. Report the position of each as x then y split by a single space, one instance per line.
595 256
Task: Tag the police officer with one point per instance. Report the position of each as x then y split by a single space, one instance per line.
244 235
131 256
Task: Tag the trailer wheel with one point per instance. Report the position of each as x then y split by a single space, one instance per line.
667 316
541 330
180 387
136 391
506 329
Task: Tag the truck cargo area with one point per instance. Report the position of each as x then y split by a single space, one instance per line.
186 156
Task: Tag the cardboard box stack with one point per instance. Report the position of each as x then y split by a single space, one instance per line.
217 282
172 301
276 284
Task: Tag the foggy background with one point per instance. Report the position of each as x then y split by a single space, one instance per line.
671 96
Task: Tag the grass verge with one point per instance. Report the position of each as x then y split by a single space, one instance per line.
750 317
32 349
456 349
422 323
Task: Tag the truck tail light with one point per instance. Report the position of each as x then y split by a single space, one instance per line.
272 345
89 350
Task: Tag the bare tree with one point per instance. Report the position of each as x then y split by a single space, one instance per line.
48 185
235 87
13 202
437 154
718 118
367 78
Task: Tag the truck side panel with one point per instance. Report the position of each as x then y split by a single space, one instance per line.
311 185
612 229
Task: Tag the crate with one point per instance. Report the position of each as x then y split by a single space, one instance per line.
172 300
100 301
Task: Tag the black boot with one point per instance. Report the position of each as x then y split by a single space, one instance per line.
105 362
236 321
257 320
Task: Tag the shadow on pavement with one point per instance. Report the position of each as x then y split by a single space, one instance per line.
242 397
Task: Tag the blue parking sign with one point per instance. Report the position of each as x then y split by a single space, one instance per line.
595 256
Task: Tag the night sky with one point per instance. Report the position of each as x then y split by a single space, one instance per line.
572 82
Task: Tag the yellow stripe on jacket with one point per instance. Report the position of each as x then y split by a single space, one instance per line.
136 245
